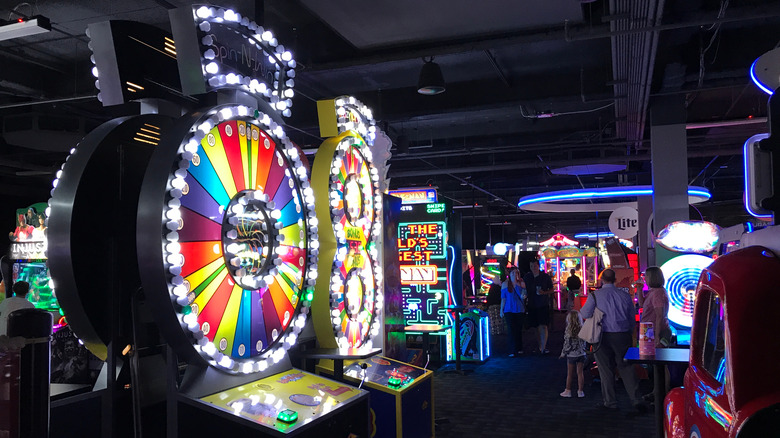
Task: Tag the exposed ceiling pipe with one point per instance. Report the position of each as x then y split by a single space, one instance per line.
623 159
41 102
741 14
497 68
724 123
569 32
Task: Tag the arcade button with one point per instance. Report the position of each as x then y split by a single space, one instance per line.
396 379
288 416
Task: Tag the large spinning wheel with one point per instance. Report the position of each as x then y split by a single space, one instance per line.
228 228
343 172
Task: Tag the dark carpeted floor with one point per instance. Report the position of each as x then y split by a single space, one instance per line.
519 397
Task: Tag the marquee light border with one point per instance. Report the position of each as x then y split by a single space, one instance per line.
178 292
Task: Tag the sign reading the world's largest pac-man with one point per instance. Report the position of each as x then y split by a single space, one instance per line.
422 242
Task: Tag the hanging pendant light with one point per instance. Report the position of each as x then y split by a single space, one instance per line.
431 80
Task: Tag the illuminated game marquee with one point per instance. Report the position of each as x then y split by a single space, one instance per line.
422 237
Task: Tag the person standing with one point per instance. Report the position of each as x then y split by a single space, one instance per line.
655 308
573 284
574 352
17 301
655 305
540 287
616 338
512 308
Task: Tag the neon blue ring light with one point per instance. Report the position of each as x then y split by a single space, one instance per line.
556 201
758 83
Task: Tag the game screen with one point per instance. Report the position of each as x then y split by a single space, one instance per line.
422 240
37 274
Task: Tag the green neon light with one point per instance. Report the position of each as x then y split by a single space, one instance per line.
436 207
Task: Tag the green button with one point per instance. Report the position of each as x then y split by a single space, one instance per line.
288 416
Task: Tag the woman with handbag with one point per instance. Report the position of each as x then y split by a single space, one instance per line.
513 309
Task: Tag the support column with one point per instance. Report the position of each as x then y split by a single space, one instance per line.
645 238
669 158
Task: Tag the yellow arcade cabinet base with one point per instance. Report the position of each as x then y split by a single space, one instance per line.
401 395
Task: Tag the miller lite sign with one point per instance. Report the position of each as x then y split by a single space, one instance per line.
624 222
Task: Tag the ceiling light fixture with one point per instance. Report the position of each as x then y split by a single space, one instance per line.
431 80
25 27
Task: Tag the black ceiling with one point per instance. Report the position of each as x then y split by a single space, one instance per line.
531 87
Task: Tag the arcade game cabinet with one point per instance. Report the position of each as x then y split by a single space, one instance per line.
27 259
693 241
228 246
216 240
348 304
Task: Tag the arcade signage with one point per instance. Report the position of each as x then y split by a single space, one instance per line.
415 196
218 48
28 250
624 222
423 265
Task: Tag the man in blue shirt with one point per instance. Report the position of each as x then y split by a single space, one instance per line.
616 338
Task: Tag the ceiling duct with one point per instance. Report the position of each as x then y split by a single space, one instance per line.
633 60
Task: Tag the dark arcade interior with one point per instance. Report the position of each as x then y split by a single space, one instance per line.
300 218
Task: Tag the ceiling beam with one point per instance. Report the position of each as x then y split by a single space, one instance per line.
624 159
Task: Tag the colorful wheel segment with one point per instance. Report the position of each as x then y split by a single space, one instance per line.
682 277
239 232
343 173
353 215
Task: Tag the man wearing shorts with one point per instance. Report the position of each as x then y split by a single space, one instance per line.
539 286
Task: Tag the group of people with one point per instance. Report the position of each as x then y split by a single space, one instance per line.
526 295
529 295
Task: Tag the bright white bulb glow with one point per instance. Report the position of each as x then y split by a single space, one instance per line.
94 71
226 362
212 67
205 127
203 12
266 36
173 247
210 349
231 16
178 183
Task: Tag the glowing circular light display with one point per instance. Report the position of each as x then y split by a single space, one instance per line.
682 276
238 238
343 175
353 215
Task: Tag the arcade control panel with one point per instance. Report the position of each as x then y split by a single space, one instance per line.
287 401
385 372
